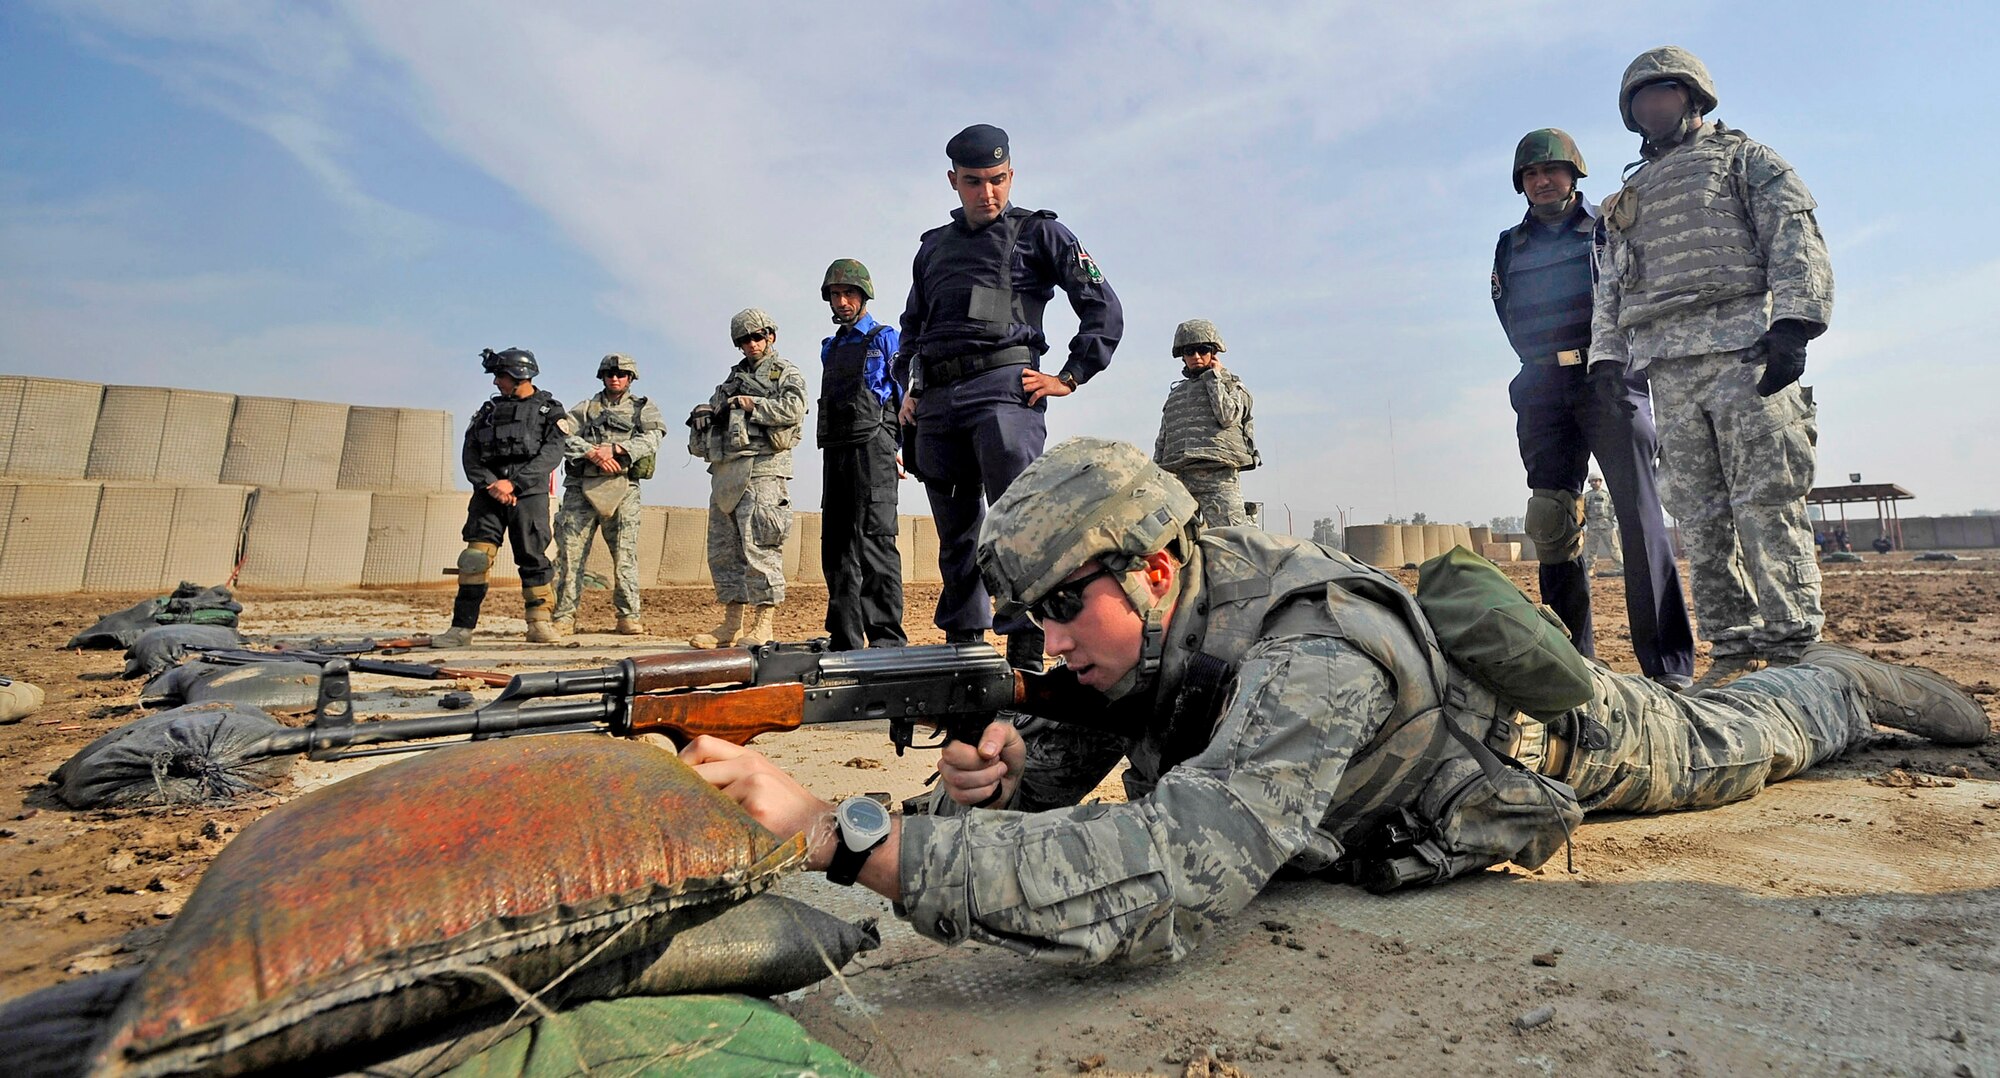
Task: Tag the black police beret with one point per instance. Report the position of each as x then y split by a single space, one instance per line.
978 146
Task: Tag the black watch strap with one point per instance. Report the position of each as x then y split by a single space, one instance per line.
845 867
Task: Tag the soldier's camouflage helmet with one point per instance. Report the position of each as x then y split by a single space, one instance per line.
1196 331
1544 147
747 321
617 363
1086 498
516 363
1666 62
849 272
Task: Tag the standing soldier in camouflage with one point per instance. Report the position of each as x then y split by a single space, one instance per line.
612 442
1600 522
512 446
746 432
1542 294
1712 276
971 355
1206 435
858 436
1279 705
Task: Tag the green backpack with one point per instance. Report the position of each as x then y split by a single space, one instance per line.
1516 647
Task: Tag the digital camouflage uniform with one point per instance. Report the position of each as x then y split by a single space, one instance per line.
1206 437
1709 243
1600 521
592 498
749 465
1324 721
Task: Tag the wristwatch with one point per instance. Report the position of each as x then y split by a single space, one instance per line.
1067 379
859 825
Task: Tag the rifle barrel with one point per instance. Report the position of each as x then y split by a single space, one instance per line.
493 720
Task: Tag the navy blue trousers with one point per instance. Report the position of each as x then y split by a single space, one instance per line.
1560 426
973 437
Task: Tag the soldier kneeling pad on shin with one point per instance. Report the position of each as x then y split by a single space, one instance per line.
474 561
1555 523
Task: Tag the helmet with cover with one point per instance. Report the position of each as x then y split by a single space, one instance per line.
1196 331
1659 65
849 272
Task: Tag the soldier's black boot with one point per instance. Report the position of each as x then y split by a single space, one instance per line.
1024 649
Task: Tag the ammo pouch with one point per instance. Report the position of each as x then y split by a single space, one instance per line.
1474 813
782 438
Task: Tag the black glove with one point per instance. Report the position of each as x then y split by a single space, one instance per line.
1607 383
1782 350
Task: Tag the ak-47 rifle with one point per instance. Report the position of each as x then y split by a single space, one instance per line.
733 693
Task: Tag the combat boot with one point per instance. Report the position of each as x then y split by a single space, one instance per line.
723 635
457 636
565 628
760 631
541 626
631 627
1727 669
1906 697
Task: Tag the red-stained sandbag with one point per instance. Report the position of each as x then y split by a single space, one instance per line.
403 896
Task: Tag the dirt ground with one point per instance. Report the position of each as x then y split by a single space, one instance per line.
1845 922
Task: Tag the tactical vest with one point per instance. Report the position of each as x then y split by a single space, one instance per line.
603 424
1435 783
509 430
1544 297
849 411
969 284
1686 232
1191 435
761 379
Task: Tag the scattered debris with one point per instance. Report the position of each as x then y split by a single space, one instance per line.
1539 1016
1900 779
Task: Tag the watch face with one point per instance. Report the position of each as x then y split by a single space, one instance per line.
863 820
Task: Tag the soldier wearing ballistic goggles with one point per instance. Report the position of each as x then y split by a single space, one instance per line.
1283 707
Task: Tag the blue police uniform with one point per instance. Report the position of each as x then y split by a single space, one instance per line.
858 436
1542 293
972 324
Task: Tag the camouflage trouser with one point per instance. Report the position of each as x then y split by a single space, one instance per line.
1670 751
746 546
1601 540
576 522
1734 472
1217 492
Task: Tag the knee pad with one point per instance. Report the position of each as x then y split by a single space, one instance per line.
474 561
1555 523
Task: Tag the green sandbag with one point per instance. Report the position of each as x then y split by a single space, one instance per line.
696 1036
1514 646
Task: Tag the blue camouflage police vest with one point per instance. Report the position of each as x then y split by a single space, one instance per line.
1541 285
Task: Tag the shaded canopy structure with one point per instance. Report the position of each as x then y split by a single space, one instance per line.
1884 495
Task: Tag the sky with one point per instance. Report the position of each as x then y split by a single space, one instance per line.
347 201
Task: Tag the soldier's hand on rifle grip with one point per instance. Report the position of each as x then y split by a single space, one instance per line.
771 797
985 774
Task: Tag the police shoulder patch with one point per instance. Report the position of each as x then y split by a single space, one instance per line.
1088 266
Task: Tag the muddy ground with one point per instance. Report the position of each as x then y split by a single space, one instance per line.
1845 922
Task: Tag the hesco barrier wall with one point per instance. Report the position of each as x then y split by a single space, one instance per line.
44 535
1376 544
46 426
810 527
1480 536
398 449
152 537
167 435
278 442
306 539
412 538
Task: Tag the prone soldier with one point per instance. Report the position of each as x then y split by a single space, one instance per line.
1287 707
1206 434
746 432
611 442
511 447
1711 277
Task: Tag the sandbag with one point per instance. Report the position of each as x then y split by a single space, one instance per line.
163 645
404 896
277 688
188 604
660 1036
48 1034
767 945
193 755
18 700
1514 646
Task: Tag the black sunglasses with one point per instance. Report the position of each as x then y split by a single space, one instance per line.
1199 350
1065 602
741 341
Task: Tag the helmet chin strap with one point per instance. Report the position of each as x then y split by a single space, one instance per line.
1689 121
1153 610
